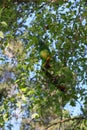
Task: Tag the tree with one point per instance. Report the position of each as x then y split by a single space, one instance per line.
47 59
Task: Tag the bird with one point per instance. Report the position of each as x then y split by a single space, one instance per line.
45 53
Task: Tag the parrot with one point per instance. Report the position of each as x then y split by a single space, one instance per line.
45 54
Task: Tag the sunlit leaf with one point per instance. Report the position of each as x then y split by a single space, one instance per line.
1 34
4 24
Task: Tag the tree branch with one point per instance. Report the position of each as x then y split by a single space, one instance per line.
66 120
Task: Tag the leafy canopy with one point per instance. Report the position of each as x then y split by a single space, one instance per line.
43 50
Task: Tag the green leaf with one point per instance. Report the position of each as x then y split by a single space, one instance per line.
72 103
1 34
4 24
35 116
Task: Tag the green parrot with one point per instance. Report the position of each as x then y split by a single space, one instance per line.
44 53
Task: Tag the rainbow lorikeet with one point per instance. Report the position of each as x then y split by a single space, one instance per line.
44 53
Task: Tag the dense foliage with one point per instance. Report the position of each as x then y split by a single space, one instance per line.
43 61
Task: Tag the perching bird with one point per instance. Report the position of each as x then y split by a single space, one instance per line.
44 53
